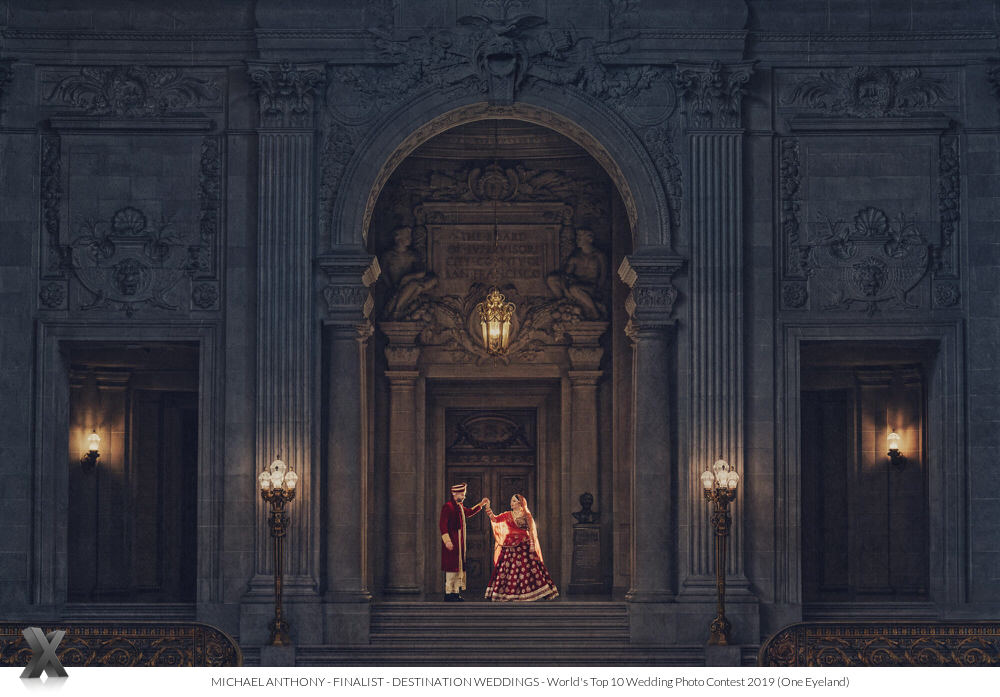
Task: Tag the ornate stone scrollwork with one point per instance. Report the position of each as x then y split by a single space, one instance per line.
135 91
791 203
867 92
849 644
713 94
872 261
126 262
949 204
286 92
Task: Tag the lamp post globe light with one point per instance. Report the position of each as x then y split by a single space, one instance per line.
277 487
720 484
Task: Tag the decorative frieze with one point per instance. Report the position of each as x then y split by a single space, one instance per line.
286 92
133 91
868 92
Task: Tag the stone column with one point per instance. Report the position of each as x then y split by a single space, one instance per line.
347 331
653 521
712 96
403 567
285 380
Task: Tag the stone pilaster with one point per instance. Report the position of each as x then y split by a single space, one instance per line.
712 95
6 73
403 554
285 337
585 354
651 329
347 331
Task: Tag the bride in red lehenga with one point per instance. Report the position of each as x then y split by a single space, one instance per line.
518 570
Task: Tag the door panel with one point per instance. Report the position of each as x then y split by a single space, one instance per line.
494 453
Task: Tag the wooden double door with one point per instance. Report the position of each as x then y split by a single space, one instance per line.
495 453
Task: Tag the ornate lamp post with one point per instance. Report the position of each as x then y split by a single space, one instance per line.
277 487
494 320
720 488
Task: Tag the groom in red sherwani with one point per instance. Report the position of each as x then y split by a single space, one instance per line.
452 527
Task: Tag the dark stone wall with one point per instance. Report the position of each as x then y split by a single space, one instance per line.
138 124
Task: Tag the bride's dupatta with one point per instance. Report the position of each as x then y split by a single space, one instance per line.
501 528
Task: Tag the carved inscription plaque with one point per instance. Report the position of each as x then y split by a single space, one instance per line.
465 246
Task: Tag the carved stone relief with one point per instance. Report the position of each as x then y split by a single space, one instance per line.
497 55
868 262
286 92
868 92
506 223
872 259
133 91
132 257
713 93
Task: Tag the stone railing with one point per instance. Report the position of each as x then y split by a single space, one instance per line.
901 643
132 644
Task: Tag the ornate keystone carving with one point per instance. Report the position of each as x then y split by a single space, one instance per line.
713 94
286 92
867 92
135 91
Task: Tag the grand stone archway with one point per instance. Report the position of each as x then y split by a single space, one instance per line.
508 204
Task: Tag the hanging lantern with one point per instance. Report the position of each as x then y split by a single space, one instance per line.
495 314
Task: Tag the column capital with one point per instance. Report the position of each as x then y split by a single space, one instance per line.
286 92
346 281
712 93
651 301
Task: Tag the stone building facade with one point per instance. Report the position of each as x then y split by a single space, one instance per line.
792 207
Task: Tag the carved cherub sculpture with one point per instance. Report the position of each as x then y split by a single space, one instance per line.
404 269
581 279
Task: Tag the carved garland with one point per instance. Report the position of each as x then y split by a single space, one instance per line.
134 91
868 92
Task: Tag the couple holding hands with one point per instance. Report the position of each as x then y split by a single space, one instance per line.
518 570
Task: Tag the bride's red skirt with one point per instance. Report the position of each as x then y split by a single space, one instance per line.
520 575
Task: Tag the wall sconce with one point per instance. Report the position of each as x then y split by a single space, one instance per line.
897 459
494 319
89 461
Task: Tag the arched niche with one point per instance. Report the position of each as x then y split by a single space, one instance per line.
592 125
499 202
